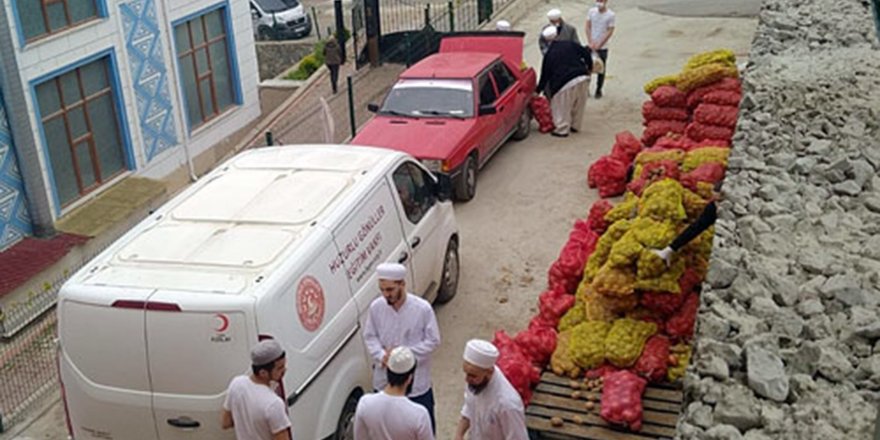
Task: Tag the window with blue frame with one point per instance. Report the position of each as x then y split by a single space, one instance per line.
206 74
78 114
39 18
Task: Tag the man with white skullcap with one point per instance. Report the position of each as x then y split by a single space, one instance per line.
252 407
564 31
389 414
502 25
492 410
401 319
565 79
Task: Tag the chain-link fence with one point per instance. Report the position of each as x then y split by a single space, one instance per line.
28 368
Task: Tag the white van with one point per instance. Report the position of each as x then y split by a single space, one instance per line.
279 19
275 243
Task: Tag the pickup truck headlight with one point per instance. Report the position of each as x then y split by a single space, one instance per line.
433 165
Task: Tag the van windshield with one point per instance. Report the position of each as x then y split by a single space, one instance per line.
270 6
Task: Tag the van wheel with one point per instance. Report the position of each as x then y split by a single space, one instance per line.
451 271
266 33
466 184
523 126
345 426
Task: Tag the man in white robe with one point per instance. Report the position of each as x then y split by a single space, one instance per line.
389 414
492 410
401 319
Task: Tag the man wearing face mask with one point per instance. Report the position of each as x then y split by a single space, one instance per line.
600 27
388 414
401 319
564 31
492 410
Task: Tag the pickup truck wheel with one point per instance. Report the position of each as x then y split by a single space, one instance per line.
345 426
449 280
466 183
523 126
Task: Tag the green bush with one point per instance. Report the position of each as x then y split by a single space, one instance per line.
318 51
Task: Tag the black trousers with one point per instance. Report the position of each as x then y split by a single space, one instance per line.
427 400
603 55
334 75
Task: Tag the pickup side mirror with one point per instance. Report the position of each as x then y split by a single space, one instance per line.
373 107
443 187
486 109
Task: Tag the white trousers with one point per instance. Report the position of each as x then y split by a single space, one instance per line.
567 105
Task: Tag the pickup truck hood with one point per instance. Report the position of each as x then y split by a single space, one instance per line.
424 138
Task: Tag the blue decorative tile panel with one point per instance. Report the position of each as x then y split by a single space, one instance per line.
143 43
15 223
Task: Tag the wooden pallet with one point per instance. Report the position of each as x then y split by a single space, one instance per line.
661 409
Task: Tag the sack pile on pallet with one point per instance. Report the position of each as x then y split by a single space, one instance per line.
614 311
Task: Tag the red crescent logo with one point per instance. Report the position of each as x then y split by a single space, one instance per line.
224 322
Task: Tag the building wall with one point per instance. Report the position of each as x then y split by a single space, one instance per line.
14 220
139 35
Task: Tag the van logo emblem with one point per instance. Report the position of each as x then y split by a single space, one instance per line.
310 303
222 323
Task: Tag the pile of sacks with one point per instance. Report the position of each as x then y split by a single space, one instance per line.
694 109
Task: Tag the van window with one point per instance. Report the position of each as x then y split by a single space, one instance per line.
414 188
503 77
487 90
271 6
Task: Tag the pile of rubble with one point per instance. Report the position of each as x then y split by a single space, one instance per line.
788 339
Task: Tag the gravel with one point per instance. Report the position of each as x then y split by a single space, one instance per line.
788 340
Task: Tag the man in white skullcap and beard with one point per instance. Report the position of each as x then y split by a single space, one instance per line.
502 25
389 414
401 319
492 410
565 79
564 31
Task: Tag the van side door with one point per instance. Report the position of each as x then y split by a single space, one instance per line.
419 215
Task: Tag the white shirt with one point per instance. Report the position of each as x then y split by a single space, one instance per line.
383 417
497 412
600 22
413 326
257 412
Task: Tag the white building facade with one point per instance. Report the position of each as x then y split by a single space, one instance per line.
106 89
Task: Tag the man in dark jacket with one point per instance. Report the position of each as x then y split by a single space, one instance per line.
565 79
333 58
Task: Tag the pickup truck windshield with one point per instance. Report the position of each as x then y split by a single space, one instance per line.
431 98
271 6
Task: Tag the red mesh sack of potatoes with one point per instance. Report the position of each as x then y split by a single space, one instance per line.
655 129
515 365
690 281
537 344
709 142
626 147
596 218
669 96
609 174
565 273
707 172
722 97
555 303
653 112
674 142
680 326
654 361
543 320
699 132
622 399
695 97
540 107
600 371
662 303
711 114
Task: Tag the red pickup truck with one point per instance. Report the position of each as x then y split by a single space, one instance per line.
454 109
